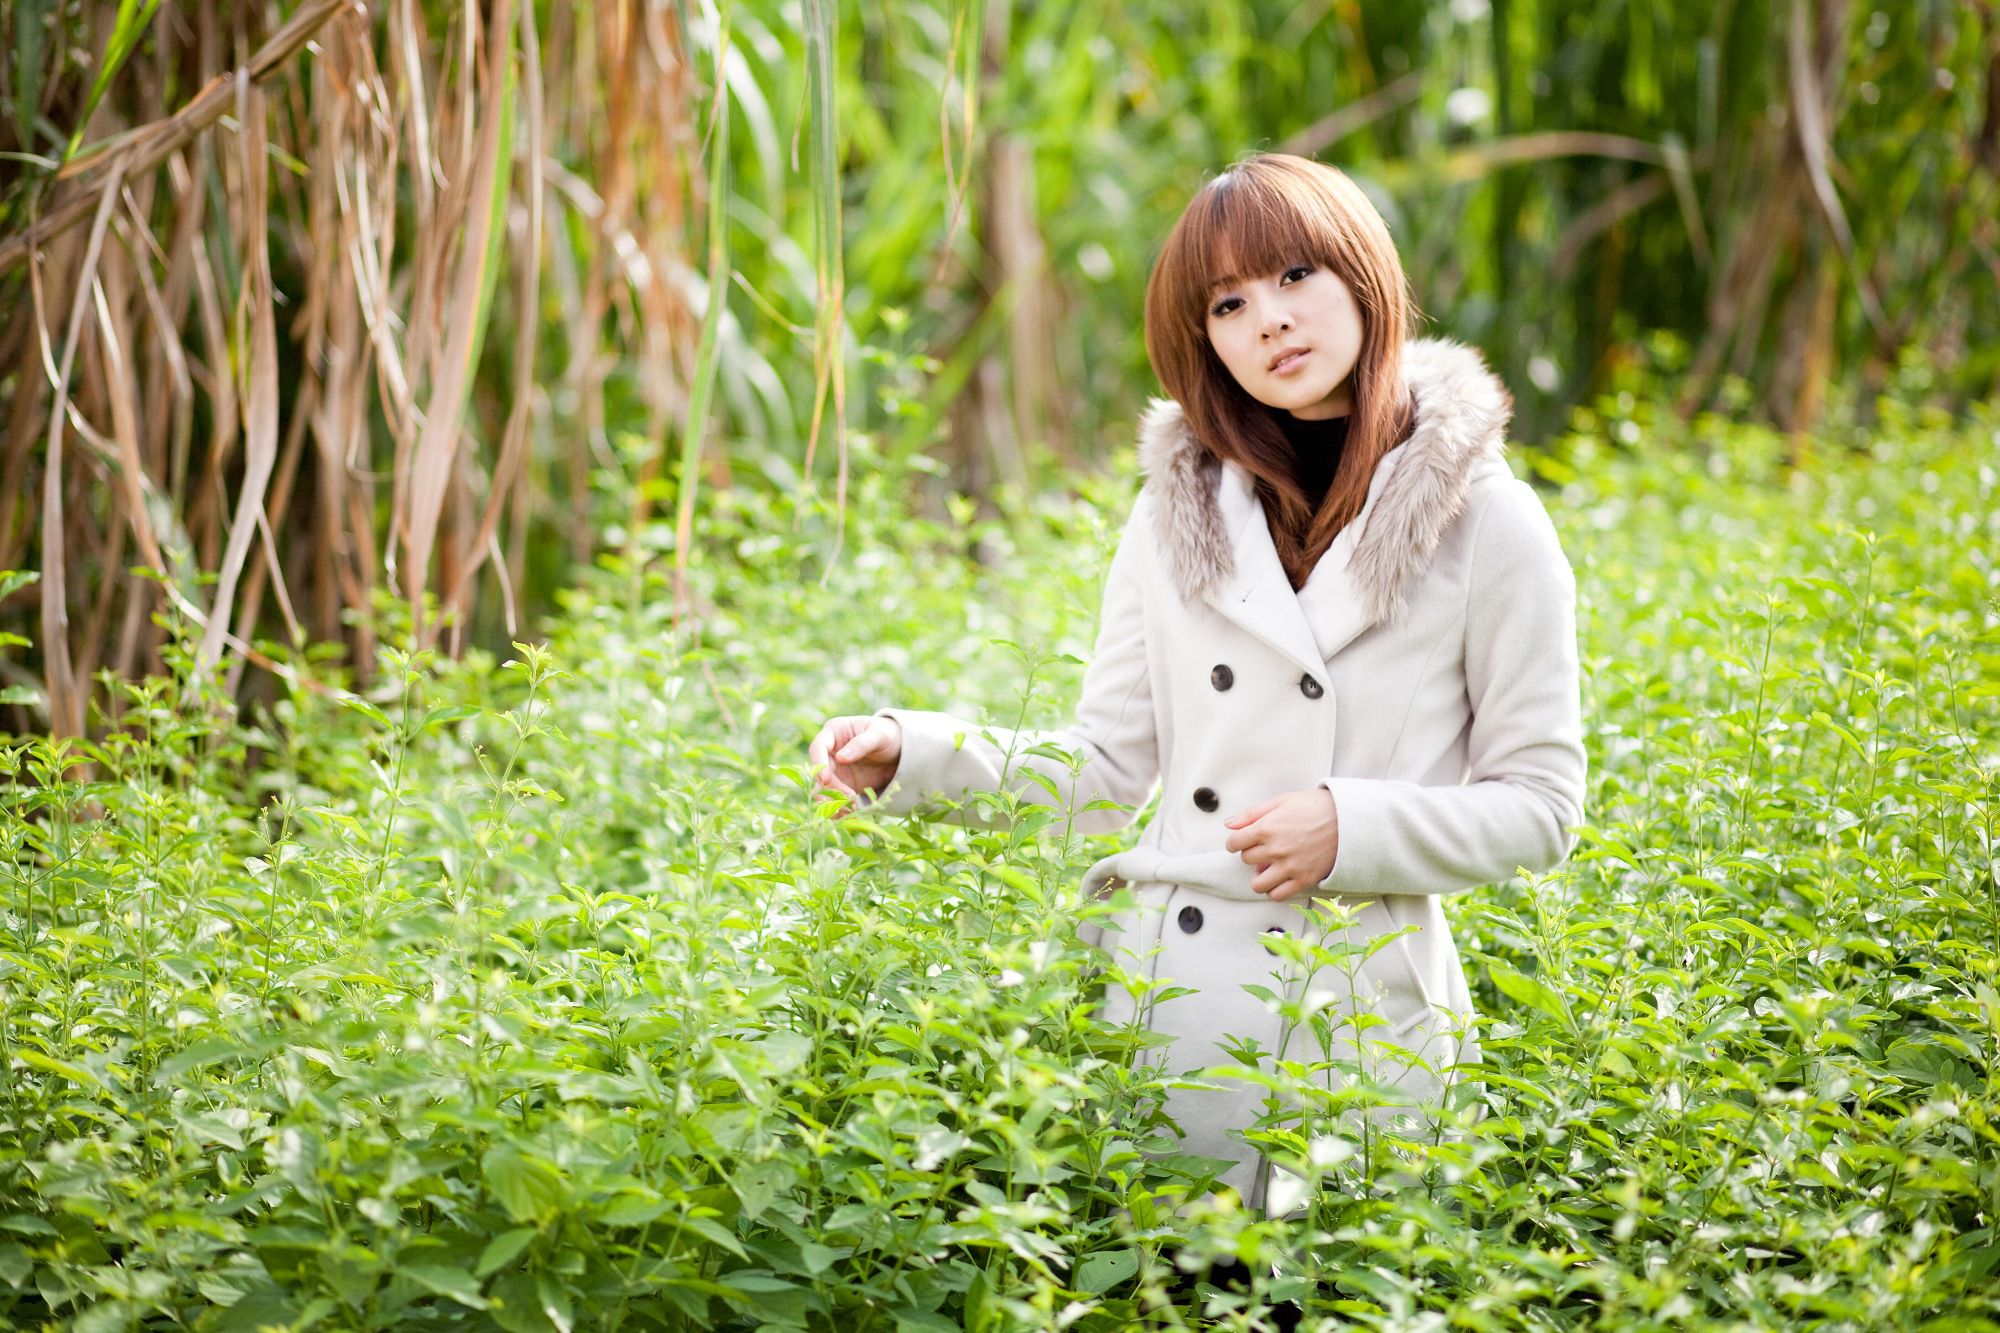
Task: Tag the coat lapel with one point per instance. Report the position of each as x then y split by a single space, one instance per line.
1310 625
1331 600
1255 593
1215 541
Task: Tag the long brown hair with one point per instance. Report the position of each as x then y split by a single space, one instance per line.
1265 212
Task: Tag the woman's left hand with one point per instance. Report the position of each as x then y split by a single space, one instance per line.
1291 841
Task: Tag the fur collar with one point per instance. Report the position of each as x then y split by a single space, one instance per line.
1462 416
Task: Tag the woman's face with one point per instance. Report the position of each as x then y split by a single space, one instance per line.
1301 308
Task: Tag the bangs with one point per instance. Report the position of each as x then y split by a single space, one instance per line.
1256 218
1247 227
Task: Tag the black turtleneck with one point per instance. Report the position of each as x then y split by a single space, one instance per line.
1316 450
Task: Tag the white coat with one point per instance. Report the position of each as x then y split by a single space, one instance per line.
1425 675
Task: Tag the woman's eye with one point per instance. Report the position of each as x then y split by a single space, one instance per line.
1222 307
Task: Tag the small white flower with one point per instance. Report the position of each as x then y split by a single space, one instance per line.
1285 1192
1330 1150
1467 106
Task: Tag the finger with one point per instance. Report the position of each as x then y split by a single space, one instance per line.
1257 811
860 746
1279 881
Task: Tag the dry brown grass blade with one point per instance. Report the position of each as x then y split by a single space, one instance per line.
61 688
23 426
958 181
180 290
168 418
331 402
1808 102
408 52
146 146
1606 213
204 501
256 573
1474 161
1330 129
259 369
369 255
1023 260
431 467
527 300
1738 300
122 391
614 53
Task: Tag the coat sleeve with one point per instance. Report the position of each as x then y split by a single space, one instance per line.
1113 732
1524 785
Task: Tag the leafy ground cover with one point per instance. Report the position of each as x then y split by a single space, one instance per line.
535 994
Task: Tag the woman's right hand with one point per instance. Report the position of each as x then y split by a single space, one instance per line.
853 753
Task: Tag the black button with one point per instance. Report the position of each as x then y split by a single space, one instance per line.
1190 919
1204 798
1222 677
1311 688
1273 930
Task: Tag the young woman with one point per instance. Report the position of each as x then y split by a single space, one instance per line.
1338 639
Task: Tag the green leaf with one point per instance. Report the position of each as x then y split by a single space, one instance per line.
504 1249
529 1188
1529 991
15 1265
63 1068
367 710
516 1305
125 34
1104 1270
446 714
213 1051
453 1282
555 1303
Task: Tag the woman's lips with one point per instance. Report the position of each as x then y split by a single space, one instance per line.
1291 363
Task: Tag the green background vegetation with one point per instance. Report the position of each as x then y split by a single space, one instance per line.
484 354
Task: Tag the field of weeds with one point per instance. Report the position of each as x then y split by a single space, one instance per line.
536 994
